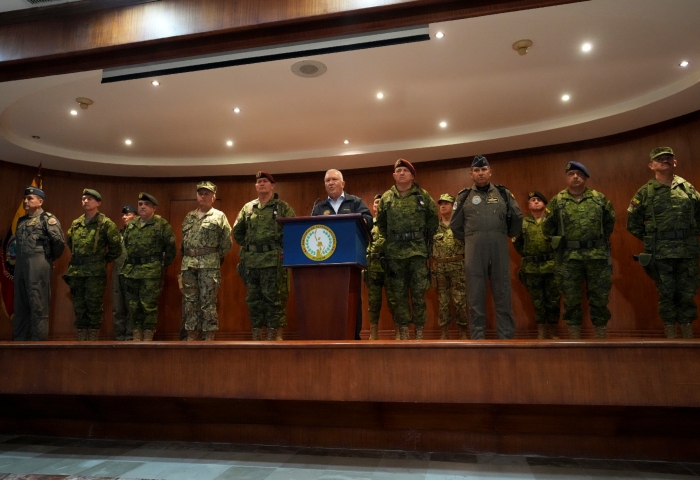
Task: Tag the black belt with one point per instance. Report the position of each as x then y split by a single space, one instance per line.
86 260
143 260
400 237
673 235
587 244
539 258
261 248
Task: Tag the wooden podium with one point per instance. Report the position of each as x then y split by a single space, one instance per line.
327 254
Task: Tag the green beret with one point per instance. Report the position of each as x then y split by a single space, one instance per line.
657 152
207 185
446 197
147 197
93 193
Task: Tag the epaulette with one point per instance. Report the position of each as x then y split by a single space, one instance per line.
463 190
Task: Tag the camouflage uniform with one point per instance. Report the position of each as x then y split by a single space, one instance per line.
205 241
150 247
93 244
582 252
538 270
407 224
121 325
260 236
667 220
375 275
39 242
448 255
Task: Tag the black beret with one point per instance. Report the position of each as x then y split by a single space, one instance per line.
535 193
128 209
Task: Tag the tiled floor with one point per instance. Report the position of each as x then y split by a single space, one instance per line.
33 457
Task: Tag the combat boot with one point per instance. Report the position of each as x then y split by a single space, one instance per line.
574 332
280 334
445 332
601 331
192 335
670 330
541 331
209 336
373 331
93 335
403 333
82 334
397 332
148 335
257 334
137 335
271 333
687 330
463 332
419 332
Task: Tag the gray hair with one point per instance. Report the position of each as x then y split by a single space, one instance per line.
340 174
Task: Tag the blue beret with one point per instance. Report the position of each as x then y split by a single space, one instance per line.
480 161
577 166
31 190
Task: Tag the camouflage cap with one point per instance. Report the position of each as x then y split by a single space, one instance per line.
480 161
378 196
577 166
93 193
262 174
128 209
446 197
32 190
401 162
207 185
657 152
536 194
149 198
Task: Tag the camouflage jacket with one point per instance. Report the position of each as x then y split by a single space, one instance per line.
407 223
149 247
671 215
260 236
212 231
447 246
532 242
590 220
39 234
374 251
93 245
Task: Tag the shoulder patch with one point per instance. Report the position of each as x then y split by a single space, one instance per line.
634 203
547 211
52 221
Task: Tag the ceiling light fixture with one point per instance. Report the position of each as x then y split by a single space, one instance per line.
586 47
229 143
36 137
439 35
565 97
346 142
380 95
236 110
127 141
73 112
155 83
522 46
443 124
83 102
684 63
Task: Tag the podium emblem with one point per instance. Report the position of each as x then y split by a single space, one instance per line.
318 243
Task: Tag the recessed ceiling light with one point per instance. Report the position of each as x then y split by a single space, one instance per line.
439 35
127 141
380 95
684 63
236 110
155 83
346 142
586 47
565 97
443 124
36 137
229 143
73 112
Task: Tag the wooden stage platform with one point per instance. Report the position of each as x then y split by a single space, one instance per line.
603 399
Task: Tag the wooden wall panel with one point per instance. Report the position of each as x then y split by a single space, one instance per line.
618 167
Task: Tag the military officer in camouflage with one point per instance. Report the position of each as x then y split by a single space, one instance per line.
580 221
150 247
484 217
374 276
538 268
260 236
39 242
206 238
448 264
407 220
94 241
665 215
122 327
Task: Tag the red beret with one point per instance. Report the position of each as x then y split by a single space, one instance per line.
404 163
261 174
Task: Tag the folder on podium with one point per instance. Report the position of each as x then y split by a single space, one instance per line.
326 254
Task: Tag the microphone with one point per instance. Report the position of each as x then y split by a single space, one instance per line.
314 205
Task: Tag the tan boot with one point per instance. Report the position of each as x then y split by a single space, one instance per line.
209 336
541 331
93 335
403 333
552 332
397 332
574 332
601 331
148 335
138 335
257 334
271 333
687 330
419 332
670 330
463 332
373 332
280 334
445 332
82 334
192 335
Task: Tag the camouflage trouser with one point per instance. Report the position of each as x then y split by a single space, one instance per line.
598 277
142 301
88 294
375 283
264 297
545 295
200 288
121 325
677 285
284 295
451 287
404 276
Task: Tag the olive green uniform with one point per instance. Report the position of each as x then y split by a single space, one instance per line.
375 275
122 327
448 258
